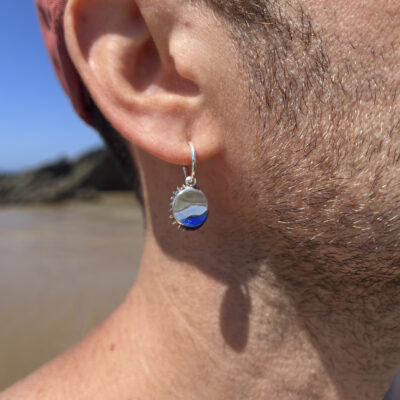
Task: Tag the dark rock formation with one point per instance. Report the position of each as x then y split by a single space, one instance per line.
64 179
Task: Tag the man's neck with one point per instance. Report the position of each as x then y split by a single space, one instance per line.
205 337
183 334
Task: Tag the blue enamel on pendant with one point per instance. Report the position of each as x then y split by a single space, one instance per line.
189 206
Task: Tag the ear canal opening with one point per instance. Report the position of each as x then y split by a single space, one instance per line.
175 83
146 67
144 71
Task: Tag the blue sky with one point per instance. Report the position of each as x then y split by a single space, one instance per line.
37 122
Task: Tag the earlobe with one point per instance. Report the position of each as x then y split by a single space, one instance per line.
132 77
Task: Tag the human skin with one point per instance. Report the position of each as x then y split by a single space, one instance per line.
290 290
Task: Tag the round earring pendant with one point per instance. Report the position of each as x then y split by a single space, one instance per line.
189 208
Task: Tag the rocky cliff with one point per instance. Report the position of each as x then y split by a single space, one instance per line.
64 179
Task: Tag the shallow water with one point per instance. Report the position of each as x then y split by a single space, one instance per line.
63 269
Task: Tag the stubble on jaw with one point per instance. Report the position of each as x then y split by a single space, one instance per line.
316 224
319 195
327 150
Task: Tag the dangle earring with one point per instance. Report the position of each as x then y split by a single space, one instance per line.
189 206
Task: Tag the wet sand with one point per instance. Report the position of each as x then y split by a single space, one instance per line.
63 269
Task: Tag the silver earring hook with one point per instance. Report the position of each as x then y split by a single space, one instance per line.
191 180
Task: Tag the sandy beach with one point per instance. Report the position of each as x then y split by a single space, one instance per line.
63 269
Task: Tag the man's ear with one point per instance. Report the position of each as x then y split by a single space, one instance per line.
134 57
